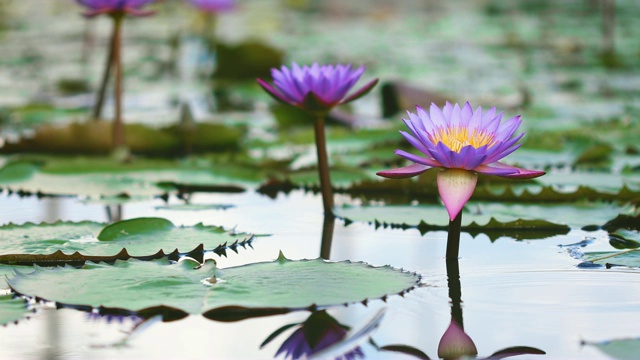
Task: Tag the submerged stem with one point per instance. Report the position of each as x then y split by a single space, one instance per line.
323 167
118 127
453 237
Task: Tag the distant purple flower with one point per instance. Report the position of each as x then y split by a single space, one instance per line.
316 88
318 332
463 142
123 7
214 6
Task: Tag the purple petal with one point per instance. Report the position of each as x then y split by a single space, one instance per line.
446 111
361 92
466 112
506 130
456 118
437 117
500 169
462 158
456 187
443 155
404 172
415 143
417 159
499 151
272 91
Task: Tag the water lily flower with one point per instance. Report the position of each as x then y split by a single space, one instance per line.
462 142
318 332
214 6
117 10
122 7
316 88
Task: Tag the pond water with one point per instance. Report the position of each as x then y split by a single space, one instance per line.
514 293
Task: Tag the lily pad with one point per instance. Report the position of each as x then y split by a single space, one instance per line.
491 188
104 177
11 310
139 285
140 237
480 214
621 349
629 258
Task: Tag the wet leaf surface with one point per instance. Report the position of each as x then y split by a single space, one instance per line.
138 285
140 237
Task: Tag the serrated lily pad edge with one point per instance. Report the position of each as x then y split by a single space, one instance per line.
227 313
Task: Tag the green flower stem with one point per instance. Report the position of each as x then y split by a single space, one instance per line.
118 127
453 238
97 108
455 290
323 167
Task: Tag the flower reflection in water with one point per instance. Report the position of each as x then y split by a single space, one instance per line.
319 334
455 343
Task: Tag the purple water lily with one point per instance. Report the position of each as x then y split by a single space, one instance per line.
214 6
462 142
316 88
129 7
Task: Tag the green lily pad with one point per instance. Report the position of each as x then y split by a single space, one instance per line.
106 177
621 349
605 182
492 188
140 237
629 258
139 285
479 214
11 310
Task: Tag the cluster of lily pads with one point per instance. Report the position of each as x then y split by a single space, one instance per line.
170 271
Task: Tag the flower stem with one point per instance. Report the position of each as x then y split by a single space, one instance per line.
323 167
453 238
327 236
97 108
118 127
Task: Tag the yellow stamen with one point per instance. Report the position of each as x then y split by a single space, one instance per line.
457 137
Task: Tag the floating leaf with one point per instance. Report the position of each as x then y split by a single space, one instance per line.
11 310
625 239
621 258
17 171
138 285
106 177
140 237
621 349
493 189
478 215
134 227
